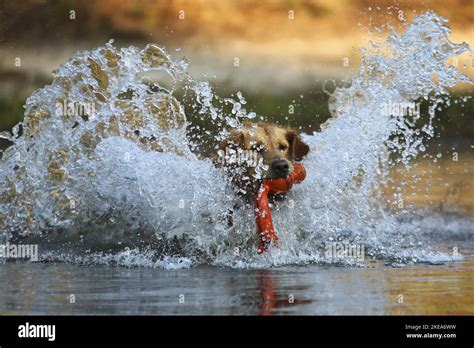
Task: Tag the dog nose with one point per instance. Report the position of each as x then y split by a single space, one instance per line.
280 167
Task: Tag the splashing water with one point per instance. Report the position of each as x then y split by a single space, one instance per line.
101 169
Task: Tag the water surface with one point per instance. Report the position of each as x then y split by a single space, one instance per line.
46 288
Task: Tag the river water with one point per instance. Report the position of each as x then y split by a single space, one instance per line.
46 288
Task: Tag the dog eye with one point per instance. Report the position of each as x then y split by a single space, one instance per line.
283 147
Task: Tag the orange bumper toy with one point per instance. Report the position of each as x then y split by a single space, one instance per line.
263 215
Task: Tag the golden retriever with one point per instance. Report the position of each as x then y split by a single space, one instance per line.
259 151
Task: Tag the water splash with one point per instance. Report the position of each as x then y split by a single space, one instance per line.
101 169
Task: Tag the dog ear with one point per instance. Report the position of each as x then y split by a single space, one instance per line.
236 139
298 148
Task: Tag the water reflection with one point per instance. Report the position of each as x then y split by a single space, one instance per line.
45 288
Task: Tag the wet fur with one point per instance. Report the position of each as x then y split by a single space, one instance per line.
271 142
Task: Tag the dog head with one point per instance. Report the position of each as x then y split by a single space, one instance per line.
262 151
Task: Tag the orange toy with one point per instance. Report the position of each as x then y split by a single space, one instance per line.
263 215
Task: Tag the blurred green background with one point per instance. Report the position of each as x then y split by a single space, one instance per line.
286 49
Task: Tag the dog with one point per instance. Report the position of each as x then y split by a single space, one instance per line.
253 156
